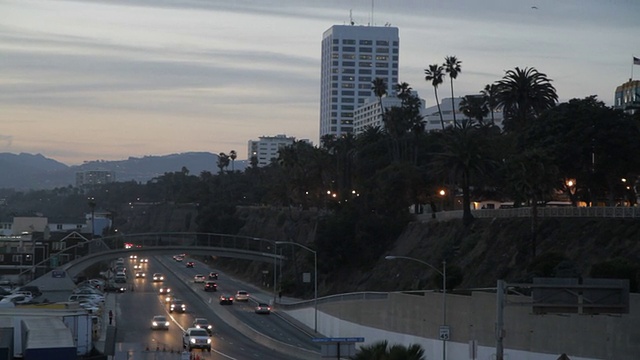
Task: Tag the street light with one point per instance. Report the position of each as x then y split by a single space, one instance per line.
315 281
443 273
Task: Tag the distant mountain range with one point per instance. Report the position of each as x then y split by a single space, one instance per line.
27 171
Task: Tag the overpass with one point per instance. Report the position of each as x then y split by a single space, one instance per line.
85 254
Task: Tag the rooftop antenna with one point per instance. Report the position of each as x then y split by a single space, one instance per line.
351 17
372 13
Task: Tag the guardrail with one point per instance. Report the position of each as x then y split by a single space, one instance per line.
592 212
369 295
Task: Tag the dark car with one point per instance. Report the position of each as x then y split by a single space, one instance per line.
226 299
34 290
190 264
210 286
213 275
113 287
177 305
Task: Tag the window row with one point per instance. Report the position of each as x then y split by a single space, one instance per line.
364 42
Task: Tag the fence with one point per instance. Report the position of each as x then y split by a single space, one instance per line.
594 212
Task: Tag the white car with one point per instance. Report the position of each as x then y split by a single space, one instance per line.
242 295
158 277
199 278
195 338
159 322
17 299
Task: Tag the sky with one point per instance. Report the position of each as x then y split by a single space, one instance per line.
110 79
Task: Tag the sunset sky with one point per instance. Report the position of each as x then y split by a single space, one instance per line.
105 80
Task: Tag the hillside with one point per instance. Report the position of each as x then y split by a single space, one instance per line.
476 256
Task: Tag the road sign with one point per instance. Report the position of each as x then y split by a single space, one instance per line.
338 339
444 332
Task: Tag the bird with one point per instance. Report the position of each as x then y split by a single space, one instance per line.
534 7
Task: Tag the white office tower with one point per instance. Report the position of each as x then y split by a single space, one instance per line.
266 148
369 114
352 57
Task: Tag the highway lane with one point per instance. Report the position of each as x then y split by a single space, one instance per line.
137 307
275 326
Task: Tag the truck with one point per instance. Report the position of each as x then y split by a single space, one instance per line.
47 338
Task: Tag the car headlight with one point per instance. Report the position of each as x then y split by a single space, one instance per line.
208 341
193 341
166 324
209 327
154 323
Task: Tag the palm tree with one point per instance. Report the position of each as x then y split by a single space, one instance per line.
452 67
381 351
523 94
435 74
474 107
489 95
233 155
379 88
223 161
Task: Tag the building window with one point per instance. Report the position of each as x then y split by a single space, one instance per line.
334 77
382 50
348 71
336 48
347 85
364 64
335 63
348 93
348 56
59 227
381 65
365 78
348 100
336 41
334 85
349 49
334 92
395 51
382 42
348 63
366 42
347 107
335 55
381 72
364 93
366 57
364 71
348 78
366 49
334 70
348 42
16 258
334 106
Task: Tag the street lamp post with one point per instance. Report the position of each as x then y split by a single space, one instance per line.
315 281
443 273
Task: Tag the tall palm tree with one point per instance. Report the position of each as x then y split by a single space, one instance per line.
435 74
223 161
379 88
523 94
489 94
233 155
452 67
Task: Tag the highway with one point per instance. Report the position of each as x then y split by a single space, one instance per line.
136 308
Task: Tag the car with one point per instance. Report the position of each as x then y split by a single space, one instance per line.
210 286
91 297
226 299
158 277
141 275
195 338
213 275
143 260
198 278
159 322
202 323
179 258
242 295
133 257
112 287
35 291
164 290
190 264
137 267
177 305
263 308
17 299
168 298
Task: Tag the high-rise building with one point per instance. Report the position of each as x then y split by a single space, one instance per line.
94 177
369 114
352 57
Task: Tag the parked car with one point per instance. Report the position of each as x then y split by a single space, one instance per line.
263 308
159 322
195 338
226 299
242 295
210 286
17 299
35 291
202 323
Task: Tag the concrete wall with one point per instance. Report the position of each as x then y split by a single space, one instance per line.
410 319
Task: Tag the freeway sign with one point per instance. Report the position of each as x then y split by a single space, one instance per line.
339 340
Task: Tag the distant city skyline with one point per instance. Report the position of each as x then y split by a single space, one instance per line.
106 80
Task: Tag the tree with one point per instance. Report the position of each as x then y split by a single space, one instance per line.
382 351
523 94
435 74
223 161
452 67
379 88
474 107
489 95
463 155
233 155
